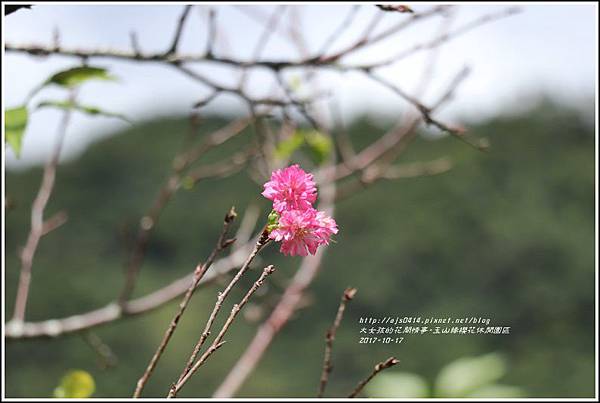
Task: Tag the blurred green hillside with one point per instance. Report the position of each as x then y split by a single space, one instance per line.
507 235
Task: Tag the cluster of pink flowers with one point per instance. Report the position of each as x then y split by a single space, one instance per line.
300 228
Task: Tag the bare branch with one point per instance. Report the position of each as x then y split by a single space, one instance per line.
339 31
446 37
330 337
178 30
212 31
263 240
395 8
390 362
218 340
222 243
269 29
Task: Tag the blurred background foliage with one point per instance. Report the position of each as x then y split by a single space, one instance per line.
507 235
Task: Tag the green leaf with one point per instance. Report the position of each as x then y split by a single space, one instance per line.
287 147
78 75
15 122
75 384
90 110
465 375
272 221
320 146
397 385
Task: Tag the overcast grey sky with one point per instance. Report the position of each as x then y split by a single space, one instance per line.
546 49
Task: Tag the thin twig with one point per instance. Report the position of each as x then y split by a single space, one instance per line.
218 340
262 241
222 243
366 41
446 37
339 31
212 31
178 30
269 29
330 337
390 362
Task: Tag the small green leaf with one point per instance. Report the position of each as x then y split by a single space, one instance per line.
90 110
78 75
15 122
287 147
272 221
320 146
75 384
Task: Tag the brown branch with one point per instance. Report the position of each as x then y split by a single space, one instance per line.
365 41
38 227
212 31
222 243
178 30
330 337
218 340
393 141
339 31
390 362
262 241
269 29
395 8
178 59
446 37
376 172
426 113
135 44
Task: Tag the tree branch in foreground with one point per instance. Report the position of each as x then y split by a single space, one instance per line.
219 339
263 240
222 243
330 337
390 362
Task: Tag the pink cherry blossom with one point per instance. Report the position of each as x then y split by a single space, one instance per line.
291 189
302 231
